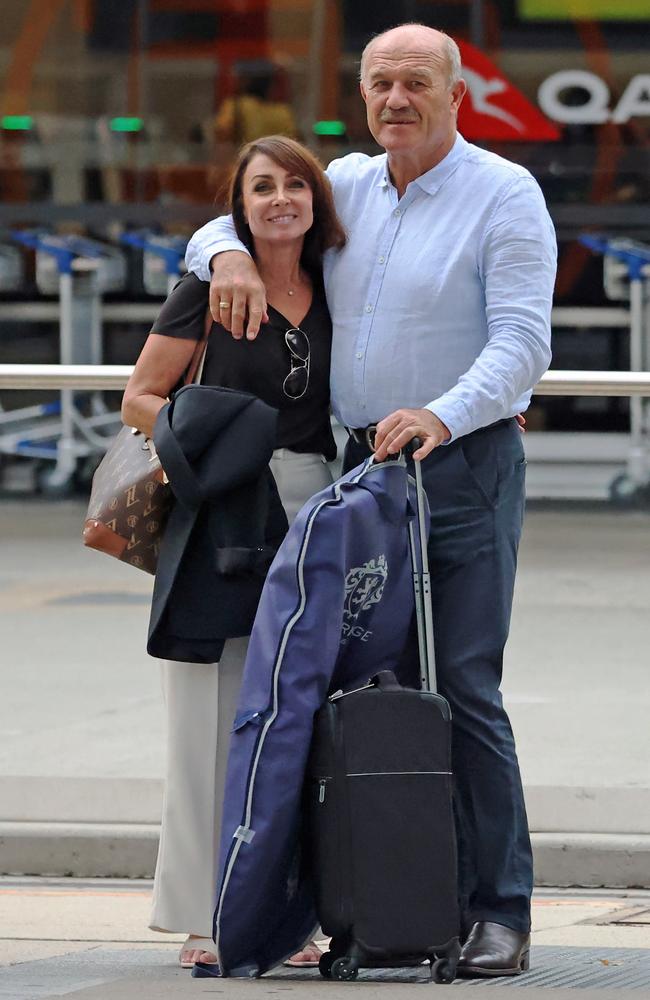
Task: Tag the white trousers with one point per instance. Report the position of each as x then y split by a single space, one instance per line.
201 701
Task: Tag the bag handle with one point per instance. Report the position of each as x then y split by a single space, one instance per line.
184 483
194 373
422 579
385 680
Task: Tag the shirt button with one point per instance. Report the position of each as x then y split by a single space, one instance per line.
359 355
368 309
381 260
398 212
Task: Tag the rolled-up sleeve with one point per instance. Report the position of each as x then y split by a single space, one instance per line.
216 236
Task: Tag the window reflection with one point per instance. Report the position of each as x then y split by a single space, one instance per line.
119 115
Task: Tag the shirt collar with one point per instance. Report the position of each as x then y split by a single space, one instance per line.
433 179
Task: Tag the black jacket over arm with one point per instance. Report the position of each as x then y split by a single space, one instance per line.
215 445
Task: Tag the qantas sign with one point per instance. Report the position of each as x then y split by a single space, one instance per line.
494 110
595 108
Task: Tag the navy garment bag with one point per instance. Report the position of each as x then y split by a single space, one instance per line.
335 609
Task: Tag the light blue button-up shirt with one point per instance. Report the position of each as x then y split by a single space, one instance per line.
441 298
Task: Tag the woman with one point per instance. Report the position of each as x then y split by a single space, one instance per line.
283 210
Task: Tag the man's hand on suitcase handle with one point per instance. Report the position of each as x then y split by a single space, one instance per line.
396 430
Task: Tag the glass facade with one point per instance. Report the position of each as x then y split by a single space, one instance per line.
118 115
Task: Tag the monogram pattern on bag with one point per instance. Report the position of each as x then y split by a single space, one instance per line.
130 499
130 474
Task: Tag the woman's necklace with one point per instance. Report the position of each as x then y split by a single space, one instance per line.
270 288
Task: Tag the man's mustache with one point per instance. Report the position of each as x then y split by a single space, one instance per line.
389 119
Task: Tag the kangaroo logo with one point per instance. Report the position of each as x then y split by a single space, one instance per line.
481 89
364 586
495 109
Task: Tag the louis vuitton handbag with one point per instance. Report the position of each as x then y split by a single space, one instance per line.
130 498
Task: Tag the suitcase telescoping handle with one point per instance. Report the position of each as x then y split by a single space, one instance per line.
422 581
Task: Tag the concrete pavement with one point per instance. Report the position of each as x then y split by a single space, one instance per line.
81 714
89 939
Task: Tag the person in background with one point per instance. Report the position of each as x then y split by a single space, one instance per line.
284 214
441 304
258 108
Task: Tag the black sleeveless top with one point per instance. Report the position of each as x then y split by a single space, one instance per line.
260 366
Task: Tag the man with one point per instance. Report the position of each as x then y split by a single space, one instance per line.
441 326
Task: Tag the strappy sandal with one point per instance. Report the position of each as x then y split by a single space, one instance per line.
196 946
307 958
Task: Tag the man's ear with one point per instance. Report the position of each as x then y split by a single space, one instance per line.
458 91
364 92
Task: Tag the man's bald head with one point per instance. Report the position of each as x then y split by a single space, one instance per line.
415 38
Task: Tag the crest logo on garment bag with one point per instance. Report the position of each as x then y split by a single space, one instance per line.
364 586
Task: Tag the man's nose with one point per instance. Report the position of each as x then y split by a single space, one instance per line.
397 97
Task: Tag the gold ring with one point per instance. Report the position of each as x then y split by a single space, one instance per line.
224 305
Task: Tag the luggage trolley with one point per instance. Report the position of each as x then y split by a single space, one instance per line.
15 423
163 259
11 269
12 275
626 277
80 270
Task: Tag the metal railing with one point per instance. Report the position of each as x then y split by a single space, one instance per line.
574 317
554 383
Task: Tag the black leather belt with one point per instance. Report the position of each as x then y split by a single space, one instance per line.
364 435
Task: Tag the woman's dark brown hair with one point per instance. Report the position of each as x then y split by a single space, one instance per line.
327 230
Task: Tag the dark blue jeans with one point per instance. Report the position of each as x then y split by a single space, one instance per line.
475 488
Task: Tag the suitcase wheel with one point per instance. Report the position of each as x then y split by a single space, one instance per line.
325 964
443 971
344 969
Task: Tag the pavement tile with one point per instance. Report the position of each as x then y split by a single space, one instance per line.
106 974
80 913
581 602
88 939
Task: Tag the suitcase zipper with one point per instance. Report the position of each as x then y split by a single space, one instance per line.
388 774
344 694
341 807
322 786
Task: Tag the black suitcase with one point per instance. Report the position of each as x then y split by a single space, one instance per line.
379 815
